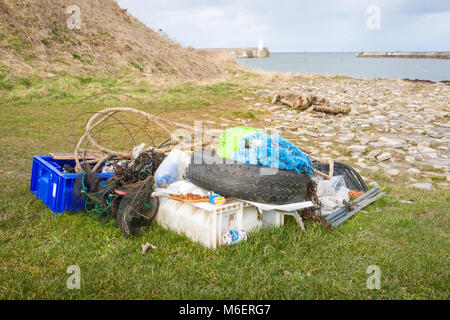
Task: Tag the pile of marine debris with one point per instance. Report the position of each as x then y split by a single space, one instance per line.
334 190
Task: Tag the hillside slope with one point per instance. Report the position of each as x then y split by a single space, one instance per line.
35 38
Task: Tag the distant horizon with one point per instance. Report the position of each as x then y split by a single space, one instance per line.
355 51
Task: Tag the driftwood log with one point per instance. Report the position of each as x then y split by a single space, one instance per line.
336 109
304 101
298 101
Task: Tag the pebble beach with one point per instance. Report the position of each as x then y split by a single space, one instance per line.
396 128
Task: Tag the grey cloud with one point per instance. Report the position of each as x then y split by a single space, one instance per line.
286 25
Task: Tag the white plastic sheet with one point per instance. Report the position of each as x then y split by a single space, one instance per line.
285 207
184 187
181 187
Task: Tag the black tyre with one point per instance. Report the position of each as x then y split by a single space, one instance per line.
245 181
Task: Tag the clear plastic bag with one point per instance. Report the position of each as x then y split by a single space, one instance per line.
330 187
332 194
173 168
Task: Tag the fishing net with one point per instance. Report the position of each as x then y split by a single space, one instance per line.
137 208
259 148
139 169
125 197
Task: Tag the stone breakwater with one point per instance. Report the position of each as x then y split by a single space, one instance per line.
396 129
243 53
416 55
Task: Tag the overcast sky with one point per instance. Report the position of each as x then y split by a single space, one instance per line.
299 25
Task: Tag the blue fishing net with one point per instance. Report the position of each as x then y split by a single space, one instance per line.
272 151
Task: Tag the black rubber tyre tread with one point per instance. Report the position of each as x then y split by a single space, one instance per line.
244 181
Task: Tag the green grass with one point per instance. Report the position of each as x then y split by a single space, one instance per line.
409 242
243 114
77 56
137 66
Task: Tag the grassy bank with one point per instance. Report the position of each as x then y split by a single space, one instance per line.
408 241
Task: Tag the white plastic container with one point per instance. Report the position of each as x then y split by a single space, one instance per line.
205 223
252 219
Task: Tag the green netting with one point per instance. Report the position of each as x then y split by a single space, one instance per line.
126 197
230 138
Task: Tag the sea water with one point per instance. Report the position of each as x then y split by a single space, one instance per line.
346 63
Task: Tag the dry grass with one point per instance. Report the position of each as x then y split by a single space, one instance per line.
34 38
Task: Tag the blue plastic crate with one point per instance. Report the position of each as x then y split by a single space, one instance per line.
53 187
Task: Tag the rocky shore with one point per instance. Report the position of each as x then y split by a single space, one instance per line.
396 129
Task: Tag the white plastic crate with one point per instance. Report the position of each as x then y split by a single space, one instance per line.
205 223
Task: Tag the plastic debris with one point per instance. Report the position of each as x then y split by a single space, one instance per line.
233 236
346 212
131 199
332 194
230 139
173 168
355 194
259 148
282 207
184 187
138 150
216 199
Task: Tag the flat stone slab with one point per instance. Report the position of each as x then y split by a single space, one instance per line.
384 156
392 172
414 171
356 148
423 186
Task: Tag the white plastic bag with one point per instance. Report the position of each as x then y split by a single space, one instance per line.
138 150
184 188
172 168
330 187
332 194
